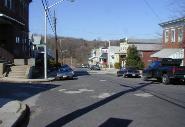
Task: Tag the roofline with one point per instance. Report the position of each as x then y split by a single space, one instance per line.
172 21
10 18
159 43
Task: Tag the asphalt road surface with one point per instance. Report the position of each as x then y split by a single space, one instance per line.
100 100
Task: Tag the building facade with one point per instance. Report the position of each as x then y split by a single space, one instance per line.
113 55
173 33
146 48
99 57
14 27
173 41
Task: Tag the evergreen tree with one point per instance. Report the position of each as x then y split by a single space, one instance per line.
133 59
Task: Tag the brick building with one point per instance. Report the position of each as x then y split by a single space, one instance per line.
173 41
146 48
14 27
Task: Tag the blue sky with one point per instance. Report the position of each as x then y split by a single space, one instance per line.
104 19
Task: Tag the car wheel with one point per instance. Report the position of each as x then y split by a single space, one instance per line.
165 79
144 78
159 79
57 78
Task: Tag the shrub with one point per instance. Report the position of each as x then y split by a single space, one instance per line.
117 65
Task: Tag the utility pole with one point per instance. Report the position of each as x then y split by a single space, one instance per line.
56 45
109 54
71 61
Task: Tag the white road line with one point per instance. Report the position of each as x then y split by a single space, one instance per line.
103 80
86 90
103 95
61 90
72 92
75 91
143 95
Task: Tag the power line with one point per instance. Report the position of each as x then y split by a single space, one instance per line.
152 10
49 12
45 8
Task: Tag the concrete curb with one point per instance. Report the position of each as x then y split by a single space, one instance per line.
14 114
17 80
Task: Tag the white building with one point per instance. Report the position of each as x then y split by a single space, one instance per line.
112 55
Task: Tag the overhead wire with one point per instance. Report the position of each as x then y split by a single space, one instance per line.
47 10
152 10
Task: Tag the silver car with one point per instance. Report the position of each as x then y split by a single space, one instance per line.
65 73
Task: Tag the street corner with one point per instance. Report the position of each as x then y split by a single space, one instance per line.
14 114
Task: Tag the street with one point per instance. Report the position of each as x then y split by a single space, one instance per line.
100 100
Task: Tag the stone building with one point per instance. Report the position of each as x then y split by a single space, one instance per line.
14 27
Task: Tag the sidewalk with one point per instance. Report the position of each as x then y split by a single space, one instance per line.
51 77
16 80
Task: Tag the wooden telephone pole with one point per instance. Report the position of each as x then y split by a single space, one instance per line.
56 45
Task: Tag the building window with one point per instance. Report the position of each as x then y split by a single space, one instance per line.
180 35
8 4
17 40
166 38
173 35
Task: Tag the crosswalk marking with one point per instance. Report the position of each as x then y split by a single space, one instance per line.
143 95
75 91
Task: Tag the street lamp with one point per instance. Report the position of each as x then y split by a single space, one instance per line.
46 9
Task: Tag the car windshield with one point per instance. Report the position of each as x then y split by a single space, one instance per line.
64 70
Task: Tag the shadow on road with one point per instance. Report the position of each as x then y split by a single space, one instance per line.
72 116
21 91
160 96
115 122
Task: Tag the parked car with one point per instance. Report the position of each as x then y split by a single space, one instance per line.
166 71
95 67
85 66
128 72
65 73
64 66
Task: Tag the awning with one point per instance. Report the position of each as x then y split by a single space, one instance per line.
177 53
91 58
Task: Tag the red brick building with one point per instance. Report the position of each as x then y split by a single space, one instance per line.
14 27
173 33
146 48
173 41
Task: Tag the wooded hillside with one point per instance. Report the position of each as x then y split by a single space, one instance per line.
76 50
